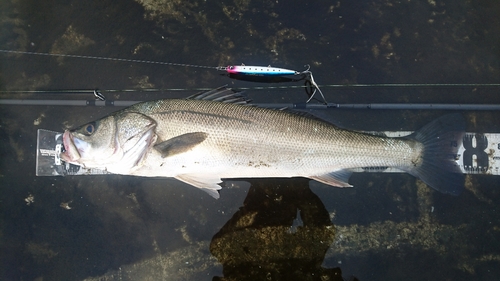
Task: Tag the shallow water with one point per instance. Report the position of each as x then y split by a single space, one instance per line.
388 227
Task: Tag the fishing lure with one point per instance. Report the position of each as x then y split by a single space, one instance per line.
268 74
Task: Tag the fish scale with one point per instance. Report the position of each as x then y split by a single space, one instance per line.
282 142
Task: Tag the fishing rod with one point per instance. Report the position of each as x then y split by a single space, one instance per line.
302 105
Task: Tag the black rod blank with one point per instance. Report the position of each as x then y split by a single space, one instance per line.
385 106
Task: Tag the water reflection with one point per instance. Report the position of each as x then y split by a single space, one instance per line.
281 232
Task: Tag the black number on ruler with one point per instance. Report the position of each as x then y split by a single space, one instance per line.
482 163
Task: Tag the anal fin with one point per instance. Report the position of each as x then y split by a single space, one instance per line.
207 183
338 178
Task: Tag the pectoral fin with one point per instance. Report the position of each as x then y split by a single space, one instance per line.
180 143
338 178
207 183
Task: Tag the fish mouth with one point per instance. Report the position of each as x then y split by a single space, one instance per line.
71 153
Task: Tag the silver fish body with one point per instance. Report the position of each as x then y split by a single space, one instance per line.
201 142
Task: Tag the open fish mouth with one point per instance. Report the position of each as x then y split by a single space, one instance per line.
71 153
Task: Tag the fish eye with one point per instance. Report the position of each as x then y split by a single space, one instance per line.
89 129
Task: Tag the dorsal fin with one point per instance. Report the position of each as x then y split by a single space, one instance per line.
311 115
228 95
221 94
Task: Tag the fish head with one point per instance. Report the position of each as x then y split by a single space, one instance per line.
113 143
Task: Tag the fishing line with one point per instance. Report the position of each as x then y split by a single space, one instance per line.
371 85
107 58
142 90
410 85
401 85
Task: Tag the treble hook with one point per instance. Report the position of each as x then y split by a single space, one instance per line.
309 85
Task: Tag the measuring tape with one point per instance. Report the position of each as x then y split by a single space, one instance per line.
478 154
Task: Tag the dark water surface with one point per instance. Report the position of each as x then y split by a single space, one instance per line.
388 227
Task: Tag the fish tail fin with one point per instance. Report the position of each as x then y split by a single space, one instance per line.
441 139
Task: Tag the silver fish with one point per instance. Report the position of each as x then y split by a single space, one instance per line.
213 136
